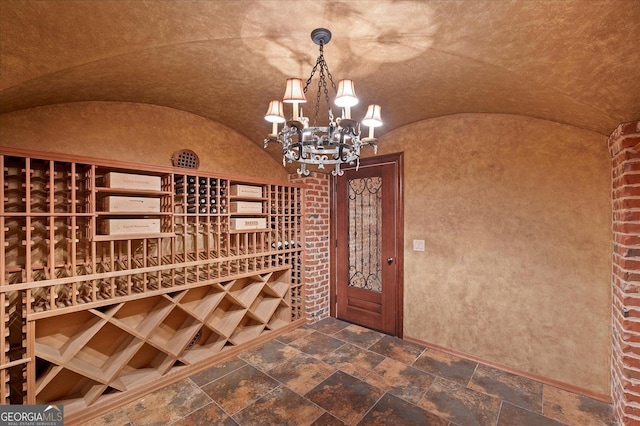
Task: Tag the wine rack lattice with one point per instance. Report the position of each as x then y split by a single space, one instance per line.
87 313
91 354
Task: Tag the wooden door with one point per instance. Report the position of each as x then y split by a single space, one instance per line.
368 244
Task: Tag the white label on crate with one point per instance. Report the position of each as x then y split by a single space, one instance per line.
248 191
131 204
239 223
245 207
132 181
131 226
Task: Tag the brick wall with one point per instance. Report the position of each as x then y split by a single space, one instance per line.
624 147
316 240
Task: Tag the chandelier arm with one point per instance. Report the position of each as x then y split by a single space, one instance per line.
296 154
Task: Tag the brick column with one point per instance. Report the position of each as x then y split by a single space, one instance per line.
624 147
316 244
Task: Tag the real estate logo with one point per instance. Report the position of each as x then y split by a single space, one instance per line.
31 415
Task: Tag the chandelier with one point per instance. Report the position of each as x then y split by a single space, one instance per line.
335 144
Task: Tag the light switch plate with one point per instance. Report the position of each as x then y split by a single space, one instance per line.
418 245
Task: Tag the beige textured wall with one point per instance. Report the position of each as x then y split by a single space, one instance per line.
136 132
515 214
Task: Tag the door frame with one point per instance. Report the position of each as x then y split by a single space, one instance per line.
398 160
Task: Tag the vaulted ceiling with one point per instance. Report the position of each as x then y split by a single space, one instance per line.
569 61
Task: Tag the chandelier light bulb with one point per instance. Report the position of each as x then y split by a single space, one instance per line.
372 119
346 96
275 115
294 94
275 112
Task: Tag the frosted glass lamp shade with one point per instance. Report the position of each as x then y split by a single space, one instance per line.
275 112
373 117
294 93
346 96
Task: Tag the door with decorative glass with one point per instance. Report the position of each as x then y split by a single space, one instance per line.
368 244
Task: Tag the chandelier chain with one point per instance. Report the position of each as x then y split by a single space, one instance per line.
322 84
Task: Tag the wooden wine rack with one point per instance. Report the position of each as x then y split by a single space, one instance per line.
91 320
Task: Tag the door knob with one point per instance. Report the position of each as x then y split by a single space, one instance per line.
390 260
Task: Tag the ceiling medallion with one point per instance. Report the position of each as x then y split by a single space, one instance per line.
337 143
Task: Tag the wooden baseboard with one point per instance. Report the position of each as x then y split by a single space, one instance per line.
545 380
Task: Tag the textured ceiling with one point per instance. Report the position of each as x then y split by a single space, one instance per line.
573 62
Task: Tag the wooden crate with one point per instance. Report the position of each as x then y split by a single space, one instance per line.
240 223
130 226
118 204
246 191
132 181
249 207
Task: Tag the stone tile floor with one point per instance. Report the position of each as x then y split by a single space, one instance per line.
335 373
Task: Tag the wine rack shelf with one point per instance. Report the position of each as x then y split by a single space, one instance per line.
108 291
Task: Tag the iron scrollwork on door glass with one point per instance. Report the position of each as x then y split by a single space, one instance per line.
365 233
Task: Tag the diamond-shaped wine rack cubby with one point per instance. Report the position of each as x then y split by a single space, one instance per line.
92 354
91 314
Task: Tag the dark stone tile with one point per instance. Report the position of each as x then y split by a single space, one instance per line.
217 371
177 400
280 407
398 349
353 360
208 415
327 420
511 415
359 336
116 417
317 344
575 409
328 325
518 390
294 335
239 388
345 396
400 379
302 373
442 364
268 355
391 410
462 406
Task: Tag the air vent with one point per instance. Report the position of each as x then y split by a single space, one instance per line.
186 159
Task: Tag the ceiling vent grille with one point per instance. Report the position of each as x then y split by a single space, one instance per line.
186 159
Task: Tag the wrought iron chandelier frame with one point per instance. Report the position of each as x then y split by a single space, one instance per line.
336 144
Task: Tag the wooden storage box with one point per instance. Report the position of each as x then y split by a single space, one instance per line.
248 191
132 181
116 204
245 207
131 226
240 223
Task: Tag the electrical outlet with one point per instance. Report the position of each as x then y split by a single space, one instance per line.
418 245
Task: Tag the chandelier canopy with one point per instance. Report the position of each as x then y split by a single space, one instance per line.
337 143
